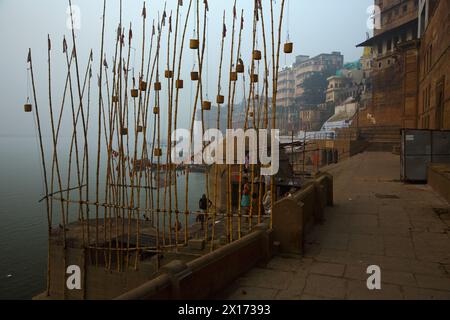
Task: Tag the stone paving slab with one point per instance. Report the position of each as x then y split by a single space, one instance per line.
331 269
376 220
244 293
326 287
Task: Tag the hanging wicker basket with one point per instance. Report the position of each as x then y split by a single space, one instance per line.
143 86
115 99
206 105
140 129
179 84
288 47
233 76
158 152
194 76
254 78
124 131
155 110
157 86
251 114
194 44
240 68
134 93
220 99
257 55
168 74
28 107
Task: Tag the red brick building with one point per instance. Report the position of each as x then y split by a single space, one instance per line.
434 65
394 75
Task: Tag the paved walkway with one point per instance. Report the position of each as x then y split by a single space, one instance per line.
376 221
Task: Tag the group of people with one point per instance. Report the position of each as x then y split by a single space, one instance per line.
247 201
253 203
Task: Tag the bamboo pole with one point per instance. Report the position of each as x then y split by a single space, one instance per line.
266 92
200 85
169 138
144 151
41 147
198 95
128 172
158 129
233 95
275 87
146 100
229 208
155 67
168 173
122 207
132 175
176 116
97 182
110 172
251 89
219 89
54 138
86 147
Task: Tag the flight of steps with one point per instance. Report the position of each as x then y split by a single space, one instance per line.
385 139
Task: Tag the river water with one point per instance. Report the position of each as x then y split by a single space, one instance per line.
23 220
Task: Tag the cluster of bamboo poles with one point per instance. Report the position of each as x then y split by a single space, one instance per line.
111 216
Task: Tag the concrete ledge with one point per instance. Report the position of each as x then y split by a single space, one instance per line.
439 179
209 274
157 289
296 215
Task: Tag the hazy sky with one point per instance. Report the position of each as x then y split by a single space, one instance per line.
315 27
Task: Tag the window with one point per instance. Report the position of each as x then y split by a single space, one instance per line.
405 8
427 59
403 37
440 104
425 99
422 23
430 57
389 45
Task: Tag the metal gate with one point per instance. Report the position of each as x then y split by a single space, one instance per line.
419 148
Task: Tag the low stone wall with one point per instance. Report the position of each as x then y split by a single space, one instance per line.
439 179
294 216
208 275
97 283
338 150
